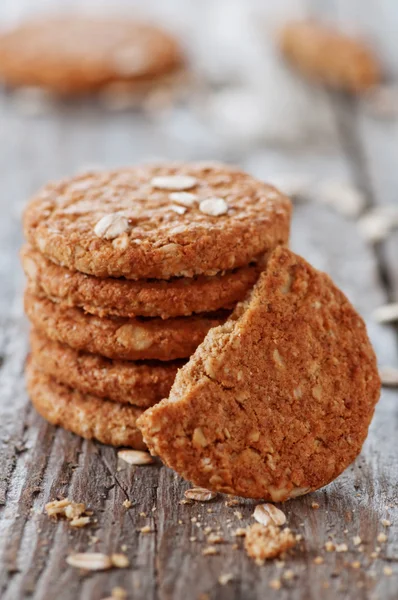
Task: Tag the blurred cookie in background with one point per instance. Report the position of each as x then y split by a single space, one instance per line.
74 55
330 57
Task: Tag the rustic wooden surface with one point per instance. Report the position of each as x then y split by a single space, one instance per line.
39 463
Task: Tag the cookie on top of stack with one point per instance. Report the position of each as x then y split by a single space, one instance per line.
127 271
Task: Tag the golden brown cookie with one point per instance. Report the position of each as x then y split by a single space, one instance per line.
277 401
115 337
86 415
127 298
157 221
329 56
139 383
75 55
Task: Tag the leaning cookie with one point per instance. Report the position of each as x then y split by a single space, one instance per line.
117 338
83 414
177 297
77 55
139 383
276 402
157 221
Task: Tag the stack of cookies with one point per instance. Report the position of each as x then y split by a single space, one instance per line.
127 272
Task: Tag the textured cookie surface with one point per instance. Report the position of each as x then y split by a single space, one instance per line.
130 223
86 415
127 298
139 383
277 401
77 55
113 337
330 57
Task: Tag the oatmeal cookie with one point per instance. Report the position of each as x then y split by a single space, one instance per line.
77 55
84 414
277 401
114 337
139 383
146 298
157 221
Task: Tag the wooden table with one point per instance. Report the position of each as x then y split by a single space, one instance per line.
39 463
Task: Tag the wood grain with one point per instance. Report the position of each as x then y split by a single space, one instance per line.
39 463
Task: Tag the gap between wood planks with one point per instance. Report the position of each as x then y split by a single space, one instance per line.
345 111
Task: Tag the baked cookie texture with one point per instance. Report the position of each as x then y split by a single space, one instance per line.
77 55
139 383
277 401
157 221
127 298
329 56
118 338
83 414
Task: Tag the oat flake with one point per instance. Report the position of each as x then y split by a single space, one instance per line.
174 182
199 494
268 514
135 457
213 207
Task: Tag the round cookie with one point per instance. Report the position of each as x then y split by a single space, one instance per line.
157 221
77 55
142 384
330 57
277 401
83 414
128 298
113 337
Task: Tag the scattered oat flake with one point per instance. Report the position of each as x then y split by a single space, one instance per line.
386 313
127 503
386 522
185 198
135 457
180 210
341 548
90 561
145 529
174 182
111 226
225 578
120 561
330 547
387 571
339 195
381 538
318 560
389 376
315 505
275 584
356 540
268 514
374 227
214 207
199 494
209 551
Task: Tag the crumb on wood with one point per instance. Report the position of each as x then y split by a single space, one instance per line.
263 542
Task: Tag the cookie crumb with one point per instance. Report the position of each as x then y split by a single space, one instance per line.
127 504
120 561
209 551
318 560
356 564
238 515
387 571
315 505
240 532
119 593
385 522
269 541
382 538
75 512
275 584
341 548
225 578
289 575
146 529
330 547
214 538
232 502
